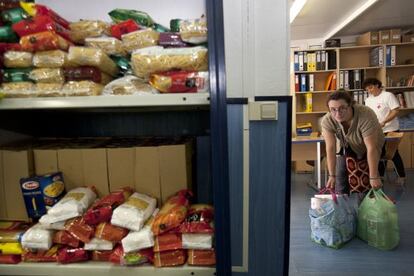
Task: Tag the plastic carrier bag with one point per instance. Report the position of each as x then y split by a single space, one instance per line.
334 223
378 221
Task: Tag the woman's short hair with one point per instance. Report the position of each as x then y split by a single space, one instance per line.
340 95
371 81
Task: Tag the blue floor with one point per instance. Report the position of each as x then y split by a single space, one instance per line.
356 257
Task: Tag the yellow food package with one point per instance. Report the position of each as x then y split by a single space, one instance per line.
12 248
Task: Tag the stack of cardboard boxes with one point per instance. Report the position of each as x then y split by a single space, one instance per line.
157 169
380 37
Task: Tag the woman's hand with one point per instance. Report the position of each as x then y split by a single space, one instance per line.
376 183
330 184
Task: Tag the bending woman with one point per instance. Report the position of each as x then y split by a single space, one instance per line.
355 167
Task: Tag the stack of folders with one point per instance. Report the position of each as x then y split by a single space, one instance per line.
409 99
390 57
303 129
314 61
351 79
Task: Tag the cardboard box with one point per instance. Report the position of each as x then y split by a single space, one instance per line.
408 38
45 161
395 36
368 38
84 167
137 167
175 169
384 36
15 164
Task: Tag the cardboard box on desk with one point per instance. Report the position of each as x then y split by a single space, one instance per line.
14 164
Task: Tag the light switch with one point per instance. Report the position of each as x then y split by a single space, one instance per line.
259 111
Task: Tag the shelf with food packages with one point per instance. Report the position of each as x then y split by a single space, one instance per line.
52 57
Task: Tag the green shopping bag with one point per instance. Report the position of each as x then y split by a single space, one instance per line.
378 221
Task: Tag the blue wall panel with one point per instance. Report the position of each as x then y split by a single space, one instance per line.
235 136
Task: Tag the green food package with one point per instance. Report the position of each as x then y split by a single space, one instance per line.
13 15
15 74
160 28
175 25
142 18
123 63
133 258
378 221
8 35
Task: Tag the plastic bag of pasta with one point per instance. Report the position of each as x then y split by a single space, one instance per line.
110 45
39 24
128 85
172 213
193 31
93 57
140 39
13 248
180 82
201 257
66 238
78 228
36 9
7 35
86 73
44 41
142 18
157 59
82 88
15 74
49 89
72 255
51 59
99 244
47 75
41 256
14 15
22 89
37 238
17 59
170 258
124 27
87 28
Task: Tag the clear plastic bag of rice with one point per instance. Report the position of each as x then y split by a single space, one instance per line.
47 75
18 59
110 45
87 28
140 39
128 85
82 88
51 59
157 59
93 57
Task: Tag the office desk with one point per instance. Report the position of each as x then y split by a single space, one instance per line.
303 149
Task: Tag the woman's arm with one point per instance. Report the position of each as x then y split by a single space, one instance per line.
330 144
391 115
373 160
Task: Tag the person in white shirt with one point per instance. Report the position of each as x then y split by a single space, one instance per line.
386 107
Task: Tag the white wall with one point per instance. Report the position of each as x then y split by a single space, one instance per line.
257 47
315 42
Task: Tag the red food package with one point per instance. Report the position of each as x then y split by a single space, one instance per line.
43 10
180 81
82 73
169 258
200 219
116 255
41 256
101 255
72 255
96 216
124 27
172 213
148 253
201 257
10 259
13 225
44 41
64 237
4 47
39 24
167 242
101 210
109 232
79 229
7 5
